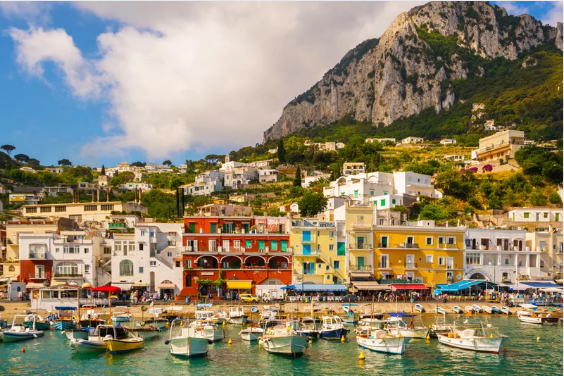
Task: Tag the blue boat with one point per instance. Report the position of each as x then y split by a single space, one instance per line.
332 328
63 325
495 309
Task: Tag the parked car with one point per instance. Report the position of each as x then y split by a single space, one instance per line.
350 298
248 298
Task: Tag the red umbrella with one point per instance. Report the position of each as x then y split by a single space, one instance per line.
109 289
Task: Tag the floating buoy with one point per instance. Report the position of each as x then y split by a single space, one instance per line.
310 342
223 324
491 335
428 337
23 350
361 355
343 339
538 339
230 341
430 326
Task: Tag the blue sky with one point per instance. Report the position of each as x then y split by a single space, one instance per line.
101 83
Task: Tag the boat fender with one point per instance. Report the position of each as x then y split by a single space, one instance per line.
166 342
210 342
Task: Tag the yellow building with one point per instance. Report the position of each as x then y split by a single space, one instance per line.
82 211
420 252
359 220
318 264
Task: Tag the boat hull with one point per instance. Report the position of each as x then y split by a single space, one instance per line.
189 347
84 346
487 309
409 333
480 344
333 334
290 345
63 325
384 345
22 336
38 325
122 346
239 320
151 333
121 318
310 333
77 333
251 335
538 320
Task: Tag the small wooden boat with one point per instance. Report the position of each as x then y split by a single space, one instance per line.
98 338
495 309
477 308
146 332
182 344
440 310
475 337
487 309
419 308
469 309
529 315
332 328
40 322
283 339
237 315
457 309
81 333
64 324
18 332
380 341
207 330
251 333
505 310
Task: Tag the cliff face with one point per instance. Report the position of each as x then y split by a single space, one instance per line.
402 73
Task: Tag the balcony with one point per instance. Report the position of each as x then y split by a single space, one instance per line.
172 243
407 245
360 268
116 226
72 241
39 276
312 253
410 265
360 246
66 275
306 240
384 265
37 256
383 245
361 226
450 246
152 239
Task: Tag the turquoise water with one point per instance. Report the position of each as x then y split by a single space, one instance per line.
523 356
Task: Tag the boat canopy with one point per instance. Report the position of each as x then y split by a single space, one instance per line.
315 287
65 308
465 284
399 314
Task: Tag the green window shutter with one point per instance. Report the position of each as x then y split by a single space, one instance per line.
341 248
274 245
213 228
261 245
192 226
383 202
248 243
284 245
393 200
371 193
355 194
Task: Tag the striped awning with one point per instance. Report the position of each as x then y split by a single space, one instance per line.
34 285
124 286
370 286
239 285
166 286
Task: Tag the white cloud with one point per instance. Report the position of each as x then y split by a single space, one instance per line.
37 11
206 76
553 16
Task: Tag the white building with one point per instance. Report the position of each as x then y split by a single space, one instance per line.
372 140
500 256
315 177
412 140
157 168
55 191
489 125
535 215
388 201
153 259
236 177
411 183
290 208
260 164
353 168
550 245
144 187
54 170
448 141
454 157
362 186
230 165
206 183
268 176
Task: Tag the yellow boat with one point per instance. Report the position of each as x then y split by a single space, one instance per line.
121 346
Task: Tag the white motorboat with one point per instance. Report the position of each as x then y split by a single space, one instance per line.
475 337
495 309
487 309
251 333
124 317
18 332
440 310
146 331
207 316
419 308
469 309
205 329
368 323
380 341
477 308
397 326
505 310
183 345
283 339
98 338
237 315
529 315
220 317
332 328
81 333
457 309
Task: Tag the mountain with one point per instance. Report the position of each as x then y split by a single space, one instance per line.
415 64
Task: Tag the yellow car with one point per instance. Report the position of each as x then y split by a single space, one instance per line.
248 298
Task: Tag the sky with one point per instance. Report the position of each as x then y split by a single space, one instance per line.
106 82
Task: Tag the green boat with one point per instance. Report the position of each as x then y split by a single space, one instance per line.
38 325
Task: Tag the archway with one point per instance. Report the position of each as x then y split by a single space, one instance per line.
207 262
231 262
255 261
478 276
278 262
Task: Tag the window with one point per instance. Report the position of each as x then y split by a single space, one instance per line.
451 240
140 246
525 215
236 244
117 245
60 208
473 259
441 240
140 270
336 264
507 261
384 261
11 268
213 228
384 243
152 263
383 202
178 264
188 281
326 267
284 245
341 248
429 240
107 207
126 268
409 240
545 215
393 200
142 232
90 207
71 250
169 254
371 193
248 243
31 210
331 234
331 247
67 269
107 251
86 250
188 264
441 260
87 269
429 259
45 209
355 194
37 250
274 245
261 245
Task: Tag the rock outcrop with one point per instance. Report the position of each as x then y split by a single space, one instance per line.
400 75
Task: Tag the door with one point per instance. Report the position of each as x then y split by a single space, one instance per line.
410 276
261 245
226 246
384 242
409 261
39 271
306 236
306 249
212 245
360 242
384 261
213 228
360 263
450 263
192 227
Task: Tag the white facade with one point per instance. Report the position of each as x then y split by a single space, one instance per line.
362 186
500 256
236 177
448 141
54 170
154 259
154 168
312 179
411 183
268 176
231 165
550 245
144 187
387 201
535 215
260 164
372 140
353 168
206 183
412 140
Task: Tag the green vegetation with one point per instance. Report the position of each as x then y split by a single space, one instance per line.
312 203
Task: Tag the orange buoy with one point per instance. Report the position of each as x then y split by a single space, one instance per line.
23 350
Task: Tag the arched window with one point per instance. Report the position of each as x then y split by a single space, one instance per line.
11 268
66 269
126 268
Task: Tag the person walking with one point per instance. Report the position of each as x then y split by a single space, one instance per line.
165 298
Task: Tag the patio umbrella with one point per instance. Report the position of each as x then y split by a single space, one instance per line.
289 287
109 289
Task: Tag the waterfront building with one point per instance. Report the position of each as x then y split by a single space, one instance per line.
550 246
319 259
82 211
238 253
501 256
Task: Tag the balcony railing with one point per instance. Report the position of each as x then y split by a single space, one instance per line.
38 256
360 246
383 245
172 243
385 265
410 265
313 252
72 241
449 246
39 276
67 275
407 245
360 268
308 240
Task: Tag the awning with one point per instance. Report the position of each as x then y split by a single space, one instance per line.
166 286
142 284
370 286
58 283
539 285
34 286
361 274
124 286
514 286
239 285
314 287
409 286
466 284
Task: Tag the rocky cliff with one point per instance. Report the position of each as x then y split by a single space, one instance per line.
408 69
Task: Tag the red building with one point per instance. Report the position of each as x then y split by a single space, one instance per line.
240 254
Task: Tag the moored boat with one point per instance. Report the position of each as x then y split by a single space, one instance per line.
380 341
182 344
487 309
397 326
18 332
469 309
146 332
122 346
98 338
207 330
505 310
40 322
419 308
476 337
456 309
530 316
495 309
332 328
81 333
251 333
477 308
283 339
237 315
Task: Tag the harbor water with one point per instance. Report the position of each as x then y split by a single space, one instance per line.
523 355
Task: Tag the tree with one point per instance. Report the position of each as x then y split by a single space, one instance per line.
312 203
8 148
34 163
298 177
103 171
174 182
281 151
21 158
64 162
167 162
554 198
122 178
138 164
